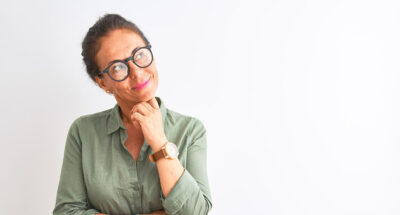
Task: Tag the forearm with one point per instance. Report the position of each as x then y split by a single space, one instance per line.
185 190
186 197
169 172
181 192
162 212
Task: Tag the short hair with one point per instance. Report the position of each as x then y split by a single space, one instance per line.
104 25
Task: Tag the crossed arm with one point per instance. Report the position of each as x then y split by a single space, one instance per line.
162 212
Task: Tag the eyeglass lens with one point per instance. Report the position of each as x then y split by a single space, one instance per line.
119 70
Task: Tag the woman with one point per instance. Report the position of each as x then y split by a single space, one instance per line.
138 157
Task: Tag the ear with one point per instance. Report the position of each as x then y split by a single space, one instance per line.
101 83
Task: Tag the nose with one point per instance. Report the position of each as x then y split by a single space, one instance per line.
134 71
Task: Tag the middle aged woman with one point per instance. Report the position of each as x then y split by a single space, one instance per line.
138 157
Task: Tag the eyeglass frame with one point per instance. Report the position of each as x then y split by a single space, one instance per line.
125 61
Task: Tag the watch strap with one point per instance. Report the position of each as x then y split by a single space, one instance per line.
157 155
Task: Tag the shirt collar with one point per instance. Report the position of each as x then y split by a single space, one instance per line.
114 121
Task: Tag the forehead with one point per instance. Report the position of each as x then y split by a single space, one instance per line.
117 44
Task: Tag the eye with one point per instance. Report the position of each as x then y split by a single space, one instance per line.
118 67
139 56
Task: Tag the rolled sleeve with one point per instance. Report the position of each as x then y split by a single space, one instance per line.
183 189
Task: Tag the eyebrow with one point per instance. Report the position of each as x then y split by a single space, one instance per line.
109 63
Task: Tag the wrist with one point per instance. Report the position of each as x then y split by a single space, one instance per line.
157 146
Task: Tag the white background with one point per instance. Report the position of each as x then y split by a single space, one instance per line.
300 98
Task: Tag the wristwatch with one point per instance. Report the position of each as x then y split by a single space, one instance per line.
168 150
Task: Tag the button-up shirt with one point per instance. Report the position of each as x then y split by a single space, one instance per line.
99 175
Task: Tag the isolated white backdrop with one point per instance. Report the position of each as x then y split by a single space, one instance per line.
300 98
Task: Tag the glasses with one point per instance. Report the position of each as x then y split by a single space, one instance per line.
118 70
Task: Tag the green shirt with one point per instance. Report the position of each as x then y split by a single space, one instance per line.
99 175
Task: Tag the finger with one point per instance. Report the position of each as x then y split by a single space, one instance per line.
153 102
148 106
162 212
138 105
137 117
141 108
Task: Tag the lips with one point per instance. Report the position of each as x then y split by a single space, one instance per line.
139 86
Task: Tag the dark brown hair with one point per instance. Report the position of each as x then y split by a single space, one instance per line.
90 44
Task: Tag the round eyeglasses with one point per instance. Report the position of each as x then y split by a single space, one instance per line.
118 70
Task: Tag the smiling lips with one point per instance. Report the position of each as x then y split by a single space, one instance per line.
142 85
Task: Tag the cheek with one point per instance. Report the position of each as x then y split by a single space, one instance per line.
121 86
155 71
155 75
125 85
152 71
109 83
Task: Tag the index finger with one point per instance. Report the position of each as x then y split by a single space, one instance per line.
153 102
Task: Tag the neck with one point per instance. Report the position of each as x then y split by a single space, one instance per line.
125 117
125 109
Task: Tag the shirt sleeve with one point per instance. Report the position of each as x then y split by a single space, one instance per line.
191 194
71 194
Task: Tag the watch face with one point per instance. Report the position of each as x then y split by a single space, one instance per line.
172 150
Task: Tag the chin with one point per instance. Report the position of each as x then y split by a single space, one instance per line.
147 96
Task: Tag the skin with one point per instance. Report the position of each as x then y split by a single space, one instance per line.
140 114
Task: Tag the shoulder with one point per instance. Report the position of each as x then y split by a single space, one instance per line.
91 120
193 125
